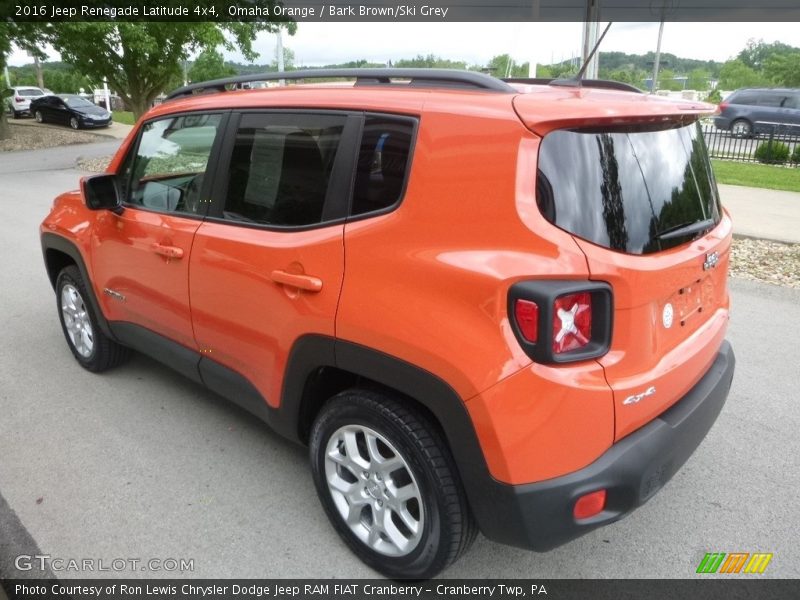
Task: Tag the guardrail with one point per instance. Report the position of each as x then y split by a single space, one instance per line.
779 143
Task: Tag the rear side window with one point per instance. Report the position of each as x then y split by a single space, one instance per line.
744 98
633 191
383 162
281 167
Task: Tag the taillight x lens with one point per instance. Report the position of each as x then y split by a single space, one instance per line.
527 315
572 322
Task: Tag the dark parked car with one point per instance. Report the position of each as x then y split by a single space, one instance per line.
69 109
760 110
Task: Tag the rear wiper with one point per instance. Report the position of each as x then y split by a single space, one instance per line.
686 229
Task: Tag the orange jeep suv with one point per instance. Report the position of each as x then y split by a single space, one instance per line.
483 305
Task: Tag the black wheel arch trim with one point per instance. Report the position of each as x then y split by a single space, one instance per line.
53 241
311 352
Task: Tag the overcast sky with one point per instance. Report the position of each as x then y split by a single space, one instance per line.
326 43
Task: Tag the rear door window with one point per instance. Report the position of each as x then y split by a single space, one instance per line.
383 161
281 167
633 191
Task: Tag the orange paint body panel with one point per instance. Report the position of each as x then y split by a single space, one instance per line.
232 267
127 259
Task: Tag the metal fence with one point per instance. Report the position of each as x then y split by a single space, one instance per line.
781 145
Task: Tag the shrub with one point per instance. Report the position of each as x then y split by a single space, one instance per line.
772 152
714 97
796 154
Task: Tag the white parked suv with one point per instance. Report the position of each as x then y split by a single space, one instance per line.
20 99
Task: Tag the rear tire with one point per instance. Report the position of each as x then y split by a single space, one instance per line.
92 349
17 115
389 485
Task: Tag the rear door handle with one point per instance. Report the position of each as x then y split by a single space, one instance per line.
303 282
168 251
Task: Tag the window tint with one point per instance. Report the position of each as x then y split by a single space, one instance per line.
281 167
744 98
770 99
170 163
382 163
30 92
633 191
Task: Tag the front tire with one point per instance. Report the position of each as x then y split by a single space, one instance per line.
389 485
74 123
92 349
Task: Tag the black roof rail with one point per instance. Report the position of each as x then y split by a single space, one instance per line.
591 83
446 78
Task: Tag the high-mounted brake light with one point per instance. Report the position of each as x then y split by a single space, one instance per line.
572 325
527 315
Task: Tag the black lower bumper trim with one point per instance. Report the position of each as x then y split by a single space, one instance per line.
538 516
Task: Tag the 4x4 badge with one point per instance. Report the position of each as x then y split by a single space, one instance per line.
712 258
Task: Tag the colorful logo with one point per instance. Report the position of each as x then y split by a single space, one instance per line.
734 562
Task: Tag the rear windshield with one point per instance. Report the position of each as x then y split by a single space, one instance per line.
30 92
635 191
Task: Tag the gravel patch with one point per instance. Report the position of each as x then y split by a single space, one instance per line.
26 137
96 164
766 261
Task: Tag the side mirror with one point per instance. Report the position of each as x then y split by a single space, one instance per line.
102 192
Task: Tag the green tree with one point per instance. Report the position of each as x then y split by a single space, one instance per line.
736 74
783 69
698 80
210 65
430 61
632 77
143 59
288 60
667 81
756 53
505 66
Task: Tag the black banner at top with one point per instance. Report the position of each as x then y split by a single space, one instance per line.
401 10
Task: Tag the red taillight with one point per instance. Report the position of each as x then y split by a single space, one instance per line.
527 315
572 322
723 105
18 99
590 505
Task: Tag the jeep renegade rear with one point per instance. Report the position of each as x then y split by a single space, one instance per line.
482 306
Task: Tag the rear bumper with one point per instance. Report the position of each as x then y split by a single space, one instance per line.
722 122
538 516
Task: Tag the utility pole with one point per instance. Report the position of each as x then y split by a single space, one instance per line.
590 30
654 87
279 50
8 77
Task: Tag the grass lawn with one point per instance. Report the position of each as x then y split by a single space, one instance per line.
121 116
755 175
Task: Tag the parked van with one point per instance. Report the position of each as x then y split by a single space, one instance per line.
760 110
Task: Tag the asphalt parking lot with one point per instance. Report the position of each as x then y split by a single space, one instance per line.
141 463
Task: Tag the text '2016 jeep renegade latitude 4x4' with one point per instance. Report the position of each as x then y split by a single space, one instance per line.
483 306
